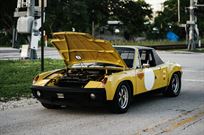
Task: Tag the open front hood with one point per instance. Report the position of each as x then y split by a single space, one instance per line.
77 47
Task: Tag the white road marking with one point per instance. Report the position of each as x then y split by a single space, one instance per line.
192 80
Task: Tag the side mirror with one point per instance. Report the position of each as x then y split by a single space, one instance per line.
145 65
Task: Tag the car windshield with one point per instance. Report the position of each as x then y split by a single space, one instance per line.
127 54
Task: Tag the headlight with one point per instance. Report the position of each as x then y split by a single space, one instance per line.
38 93
35 79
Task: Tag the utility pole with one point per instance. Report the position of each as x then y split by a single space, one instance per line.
191 23
93 28
193 39
179 17
93 23
42 35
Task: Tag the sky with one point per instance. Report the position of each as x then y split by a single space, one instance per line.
156 4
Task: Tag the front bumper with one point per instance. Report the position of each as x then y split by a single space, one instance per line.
69 96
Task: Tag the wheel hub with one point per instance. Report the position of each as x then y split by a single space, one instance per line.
123 97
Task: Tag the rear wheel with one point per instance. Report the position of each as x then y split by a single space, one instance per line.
174 87
121 101
50 106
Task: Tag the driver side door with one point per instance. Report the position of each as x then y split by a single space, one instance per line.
148 74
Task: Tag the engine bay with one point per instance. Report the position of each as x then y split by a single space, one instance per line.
79 77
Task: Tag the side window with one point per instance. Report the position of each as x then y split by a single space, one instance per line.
143 57
152 62
150 57
147 57
158 60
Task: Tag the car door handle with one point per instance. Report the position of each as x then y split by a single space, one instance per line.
155 77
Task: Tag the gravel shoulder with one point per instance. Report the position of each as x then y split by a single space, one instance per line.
23 102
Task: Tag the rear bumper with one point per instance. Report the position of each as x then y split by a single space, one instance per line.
69 96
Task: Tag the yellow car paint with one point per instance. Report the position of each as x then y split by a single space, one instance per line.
42 82
80 47
94 84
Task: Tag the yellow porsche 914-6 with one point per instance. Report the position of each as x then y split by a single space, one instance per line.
96 72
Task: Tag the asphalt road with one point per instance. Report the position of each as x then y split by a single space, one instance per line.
149 114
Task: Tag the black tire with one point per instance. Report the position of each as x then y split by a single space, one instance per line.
174 88
122 98
50 106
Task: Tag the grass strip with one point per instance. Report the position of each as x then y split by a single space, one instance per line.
16 76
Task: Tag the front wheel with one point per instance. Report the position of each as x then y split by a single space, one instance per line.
174 87
121 101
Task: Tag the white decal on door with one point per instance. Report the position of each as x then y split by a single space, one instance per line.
149 78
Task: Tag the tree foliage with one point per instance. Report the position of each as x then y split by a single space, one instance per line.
169 17
64 15
6 20
134 15
200 15
6 14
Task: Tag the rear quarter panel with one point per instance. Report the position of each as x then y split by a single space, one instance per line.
173 68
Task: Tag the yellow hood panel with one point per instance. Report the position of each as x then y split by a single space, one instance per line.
77 47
